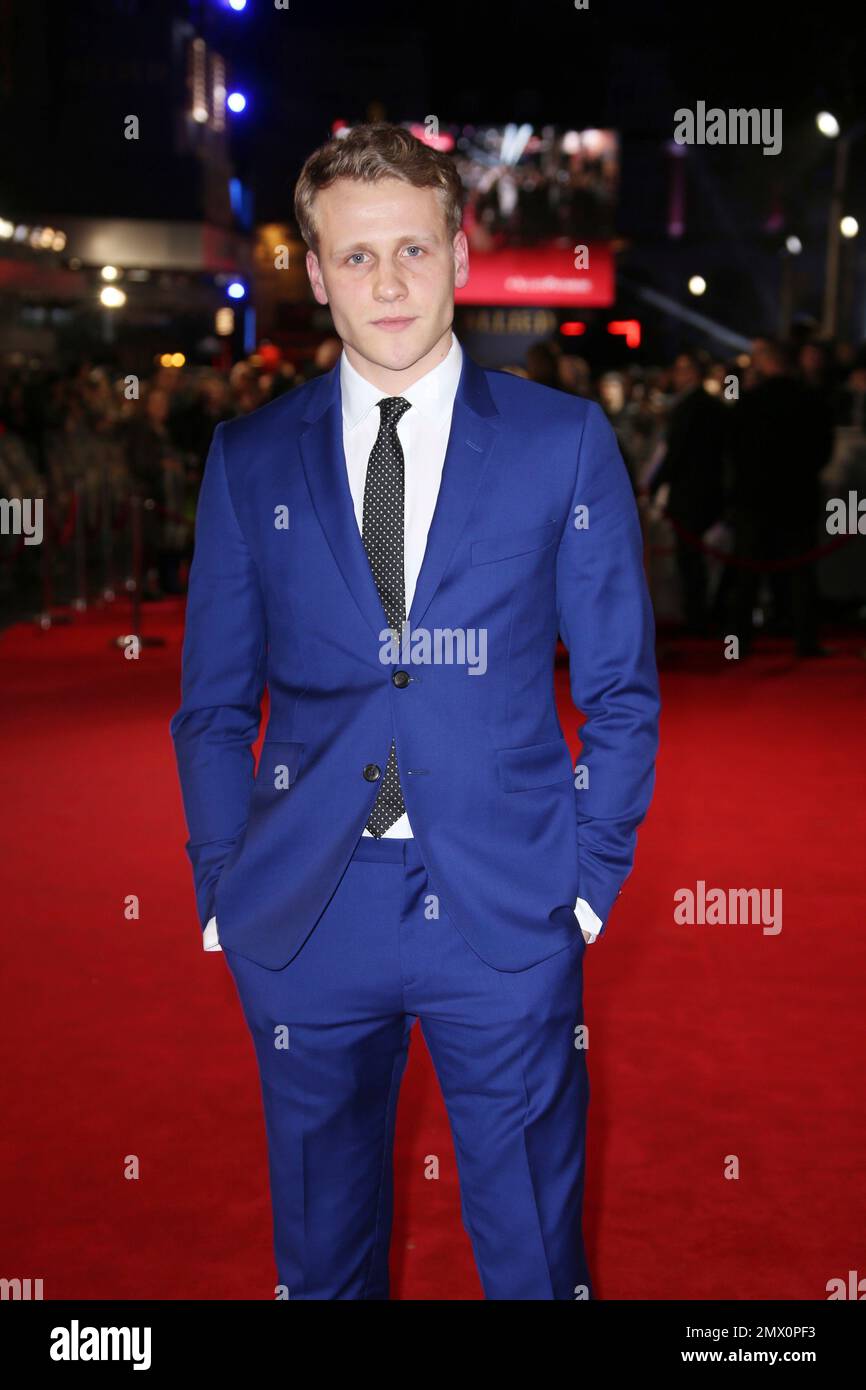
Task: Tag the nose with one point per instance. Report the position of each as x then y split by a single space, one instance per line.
389 286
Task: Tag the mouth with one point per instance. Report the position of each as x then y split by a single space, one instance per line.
393 325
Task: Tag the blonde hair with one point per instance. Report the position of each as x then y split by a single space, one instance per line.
372 152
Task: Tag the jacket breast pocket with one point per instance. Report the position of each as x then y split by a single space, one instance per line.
279 765
538 765
514 543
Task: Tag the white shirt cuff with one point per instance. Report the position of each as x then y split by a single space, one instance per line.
210 940
587 919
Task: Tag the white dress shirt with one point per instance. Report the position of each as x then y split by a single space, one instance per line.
423 433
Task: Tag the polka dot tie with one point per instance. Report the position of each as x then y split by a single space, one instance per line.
382 533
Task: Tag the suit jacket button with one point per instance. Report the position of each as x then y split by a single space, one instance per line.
372 772
401 678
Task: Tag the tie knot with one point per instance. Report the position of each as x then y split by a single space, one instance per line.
391 408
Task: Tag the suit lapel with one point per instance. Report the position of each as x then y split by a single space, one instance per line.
324 463
474 429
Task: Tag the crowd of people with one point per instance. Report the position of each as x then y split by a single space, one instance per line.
91 440
732 455
708 443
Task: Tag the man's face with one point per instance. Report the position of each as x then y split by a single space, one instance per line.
388 270
612 394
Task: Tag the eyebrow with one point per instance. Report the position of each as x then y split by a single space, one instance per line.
351 247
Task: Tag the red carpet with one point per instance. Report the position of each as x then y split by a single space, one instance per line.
123 1038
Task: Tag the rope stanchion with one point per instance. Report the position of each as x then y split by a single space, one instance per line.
106 536
134 584
79 601
56 538
70 523
15 552
746 562
91 538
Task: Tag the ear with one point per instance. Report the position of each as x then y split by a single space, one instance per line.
314 273
461 259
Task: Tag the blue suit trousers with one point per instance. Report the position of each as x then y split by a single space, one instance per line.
331 1034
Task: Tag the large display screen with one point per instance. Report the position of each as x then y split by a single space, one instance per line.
535 198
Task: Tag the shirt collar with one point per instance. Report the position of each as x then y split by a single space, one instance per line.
431 393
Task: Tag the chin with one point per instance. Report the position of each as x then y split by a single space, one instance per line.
397 352
404 354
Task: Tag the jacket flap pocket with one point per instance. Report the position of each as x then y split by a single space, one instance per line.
514 543
539 765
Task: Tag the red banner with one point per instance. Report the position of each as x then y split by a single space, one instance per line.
541 275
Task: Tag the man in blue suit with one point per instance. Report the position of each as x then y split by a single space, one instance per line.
393 549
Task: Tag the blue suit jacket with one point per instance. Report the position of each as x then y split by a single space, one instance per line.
535 533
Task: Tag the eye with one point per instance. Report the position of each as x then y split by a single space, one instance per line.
351 259
419 249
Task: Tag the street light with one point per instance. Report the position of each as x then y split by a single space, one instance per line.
829 126
793 247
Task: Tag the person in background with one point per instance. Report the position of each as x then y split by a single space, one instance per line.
157 475
851 401
284 377
574 375
196 415
817 371
326 355
781 441
542 365
693 469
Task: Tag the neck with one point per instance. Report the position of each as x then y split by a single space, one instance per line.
394 383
